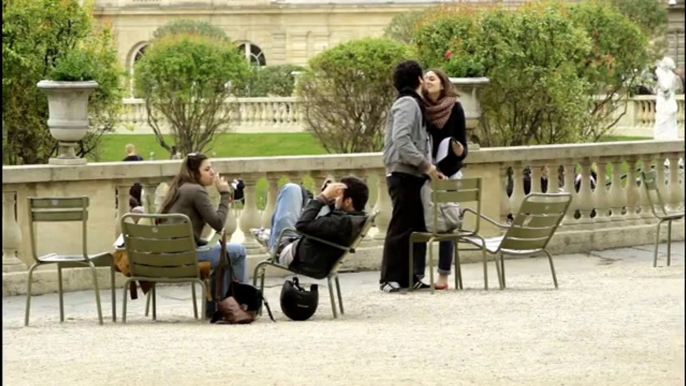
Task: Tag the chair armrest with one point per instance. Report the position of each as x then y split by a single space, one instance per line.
490 220
283 233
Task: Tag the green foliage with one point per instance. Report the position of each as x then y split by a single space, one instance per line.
401 28
649 15
191 27
270 81
185 80
60 40
347 91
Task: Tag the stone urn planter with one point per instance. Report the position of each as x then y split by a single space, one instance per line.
68 116
468 88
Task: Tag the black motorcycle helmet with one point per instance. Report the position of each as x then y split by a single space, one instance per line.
298 303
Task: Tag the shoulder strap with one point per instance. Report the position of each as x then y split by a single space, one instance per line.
269 311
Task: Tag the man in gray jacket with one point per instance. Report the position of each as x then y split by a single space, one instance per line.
405 155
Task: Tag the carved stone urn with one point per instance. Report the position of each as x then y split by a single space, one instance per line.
68 117
468 88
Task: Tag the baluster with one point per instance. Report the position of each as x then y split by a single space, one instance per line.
585 195
569 168
675 190
617 196
122 206
11 234
632 196
383 206
645 211
517 186
250 217
535 179
319 177
601 195
272 192
661 178
504 198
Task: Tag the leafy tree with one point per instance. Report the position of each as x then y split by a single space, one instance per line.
401 28
347 92
37 36
271 80
619 49
191 27
185 80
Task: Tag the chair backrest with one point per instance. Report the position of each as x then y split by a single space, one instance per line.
351 248
58 209
461 191
166 250
535 224
650 182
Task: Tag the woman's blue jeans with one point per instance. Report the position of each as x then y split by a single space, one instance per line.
445 256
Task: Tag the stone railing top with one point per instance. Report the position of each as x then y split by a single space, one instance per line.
141 101
142 170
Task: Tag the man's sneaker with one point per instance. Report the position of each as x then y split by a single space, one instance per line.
261 235
390 287
419 285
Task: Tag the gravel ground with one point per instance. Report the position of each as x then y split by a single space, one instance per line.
614 321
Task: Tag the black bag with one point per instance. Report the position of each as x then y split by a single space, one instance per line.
246 296
296 302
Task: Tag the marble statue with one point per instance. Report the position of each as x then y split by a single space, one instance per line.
666 106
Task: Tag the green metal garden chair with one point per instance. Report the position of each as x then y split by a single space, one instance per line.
534 225
663 215
66 209
260 270
461 191
163 253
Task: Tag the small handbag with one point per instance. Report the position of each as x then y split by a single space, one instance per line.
448 214
241 303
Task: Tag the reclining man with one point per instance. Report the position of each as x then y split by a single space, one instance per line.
336 215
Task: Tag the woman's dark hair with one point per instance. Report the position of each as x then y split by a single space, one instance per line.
448 87
407 75
357 190
189 173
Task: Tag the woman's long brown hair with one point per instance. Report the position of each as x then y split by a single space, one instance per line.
448 88
189 173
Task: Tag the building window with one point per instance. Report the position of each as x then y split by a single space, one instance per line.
138 54
253 54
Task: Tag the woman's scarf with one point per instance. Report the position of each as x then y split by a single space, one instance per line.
439 112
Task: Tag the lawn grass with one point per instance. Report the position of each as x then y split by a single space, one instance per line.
227 145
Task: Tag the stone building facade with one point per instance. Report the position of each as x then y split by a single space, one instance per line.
289 31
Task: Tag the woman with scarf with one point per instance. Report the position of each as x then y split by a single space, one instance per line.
446 127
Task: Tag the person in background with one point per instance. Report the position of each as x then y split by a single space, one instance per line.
188 195
136 190
446 125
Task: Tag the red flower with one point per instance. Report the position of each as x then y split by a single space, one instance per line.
448 54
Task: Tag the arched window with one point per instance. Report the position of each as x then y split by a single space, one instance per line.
253 54
138 53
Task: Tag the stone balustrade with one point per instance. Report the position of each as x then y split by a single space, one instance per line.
249 115
611 213
281 114
639 119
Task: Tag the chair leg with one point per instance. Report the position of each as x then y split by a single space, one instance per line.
28 294
333 302
195 302
97 290
123 306
669 243
147 302
552 267
411 282
60 291
114 288
340 297
154 301
503 283
657 243
458 267
483 257
260 271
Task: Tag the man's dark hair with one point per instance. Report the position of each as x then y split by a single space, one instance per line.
357 190
407 74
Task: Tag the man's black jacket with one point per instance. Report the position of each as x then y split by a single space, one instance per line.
316 259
